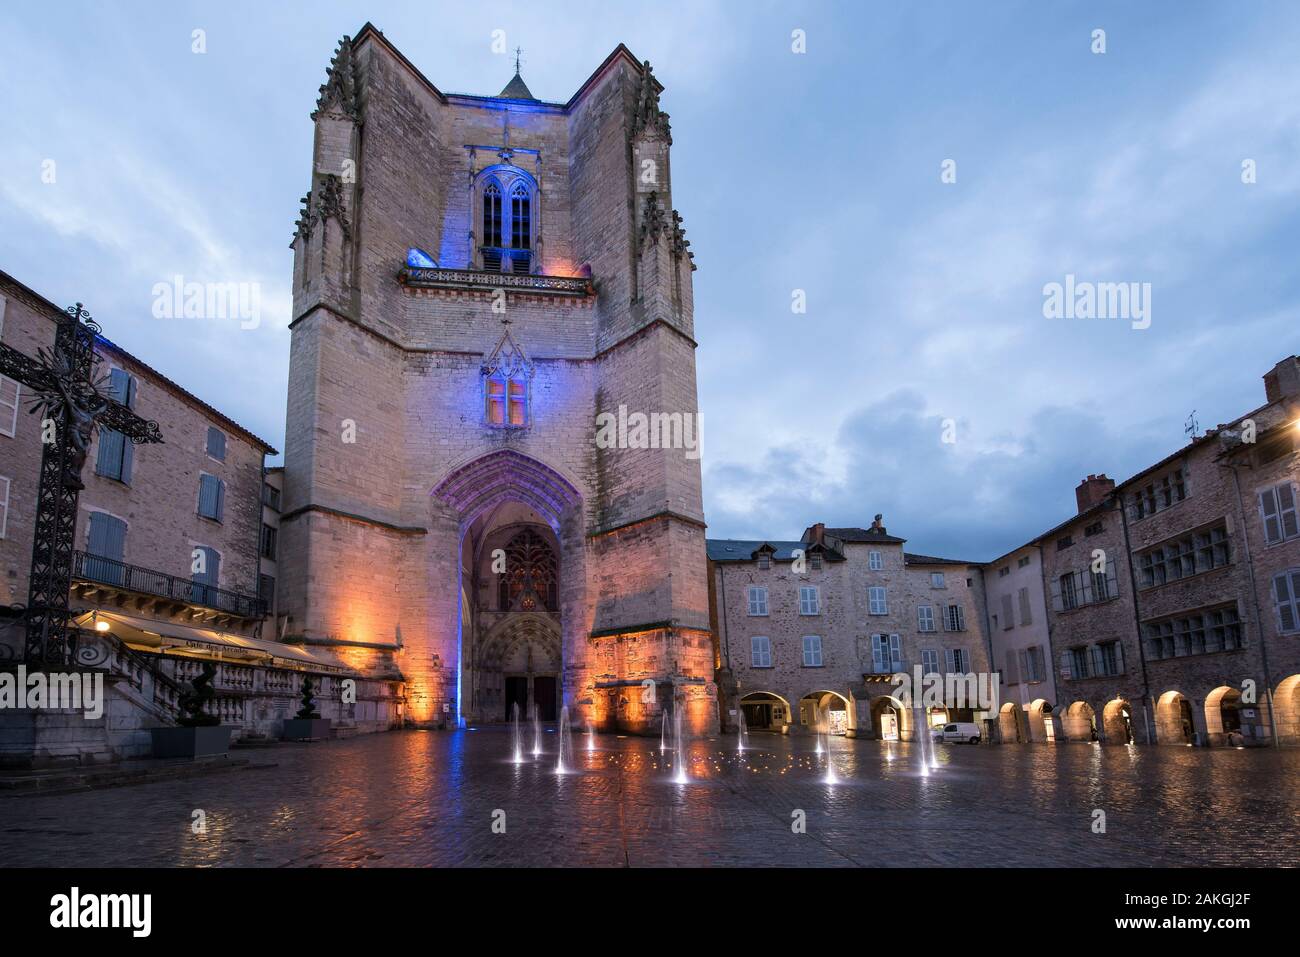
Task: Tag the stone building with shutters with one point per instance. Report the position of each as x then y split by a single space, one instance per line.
478 280
165 567
823 624
1172 599
1020 646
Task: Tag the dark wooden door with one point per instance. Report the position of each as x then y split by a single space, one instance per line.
517 694
544 694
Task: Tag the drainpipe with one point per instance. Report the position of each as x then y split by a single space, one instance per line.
726 632
1254 594
1137 621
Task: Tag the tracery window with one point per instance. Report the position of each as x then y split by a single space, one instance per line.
492 214
502 247
529 581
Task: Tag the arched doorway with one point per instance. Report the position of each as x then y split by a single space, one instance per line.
1080 722
521 576
1175 723
765 711
890 719
1117 721
1042 726
1013 724
1286 710
833 705
1223 717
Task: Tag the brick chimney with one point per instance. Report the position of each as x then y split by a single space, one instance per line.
1092 490
1283 380
878 525
815 534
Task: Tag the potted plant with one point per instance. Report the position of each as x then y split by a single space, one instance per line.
308 725
199 734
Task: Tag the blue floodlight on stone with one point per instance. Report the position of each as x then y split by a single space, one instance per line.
419 259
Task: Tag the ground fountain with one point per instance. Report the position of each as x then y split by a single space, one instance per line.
824 742
679 740
565 761
663 733
537 731
591 735
516 734
742 732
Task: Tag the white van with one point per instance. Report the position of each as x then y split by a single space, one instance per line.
959 731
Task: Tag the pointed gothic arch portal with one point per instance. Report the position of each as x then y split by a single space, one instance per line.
520 569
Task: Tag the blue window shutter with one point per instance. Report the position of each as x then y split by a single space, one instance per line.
221 499
206 504
98 534
116 539
109 459
128 458
121 385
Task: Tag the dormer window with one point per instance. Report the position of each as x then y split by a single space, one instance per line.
506 191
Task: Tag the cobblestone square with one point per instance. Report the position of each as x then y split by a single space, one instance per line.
430 799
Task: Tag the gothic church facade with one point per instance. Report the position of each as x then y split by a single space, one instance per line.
476 280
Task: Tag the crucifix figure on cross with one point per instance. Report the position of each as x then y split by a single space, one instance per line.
71 401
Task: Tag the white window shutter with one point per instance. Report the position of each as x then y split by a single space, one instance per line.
877 653
895 654
1066 671
949 663
1268 510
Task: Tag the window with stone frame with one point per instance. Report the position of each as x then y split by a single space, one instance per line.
1159 494
812 651
1201 632
815 561
760 652
1185 556
507 234
507 384
529 581
886 654
9 402
925 618
757 600
809 600
1277 508
954 618
930 661
875 561
1286 600
877 600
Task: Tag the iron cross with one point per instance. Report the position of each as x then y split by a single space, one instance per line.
72 402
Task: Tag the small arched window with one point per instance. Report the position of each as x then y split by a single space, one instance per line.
507 246
492 214
521 229
507 400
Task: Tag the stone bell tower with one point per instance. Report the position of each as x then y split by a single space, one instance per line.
446 236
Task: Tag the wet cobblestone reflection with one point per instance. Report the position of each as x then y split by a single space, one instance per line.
416 799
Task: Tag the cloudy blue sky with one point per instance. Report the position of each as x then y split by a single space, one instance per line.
818 171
